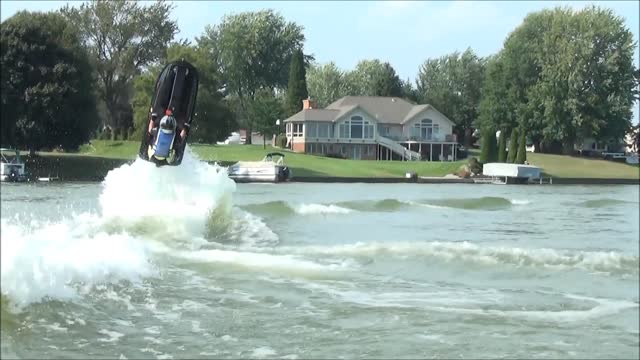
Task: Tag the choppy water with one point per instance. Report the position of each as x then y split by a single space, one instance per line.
182 263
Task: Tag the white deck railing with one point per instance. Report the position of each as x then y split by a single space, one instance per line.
398 149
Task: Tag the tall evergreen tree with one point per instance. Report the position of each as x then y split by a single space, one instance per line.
488 147
502 147
522 148
297 86
513 146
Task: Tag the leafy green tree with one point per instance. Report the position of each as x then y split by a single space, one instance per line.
570 76
513 146
522 148
388 83
254 51
123 38
495 110
326 83
297 87
409 92
373 78
264 111
47 95
453 85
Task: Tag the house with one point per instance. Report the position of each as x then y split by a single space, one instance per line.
591 146
372 128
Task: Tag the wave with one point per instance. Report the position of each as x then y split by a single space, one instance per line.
282 208
143 208
56 259
483 304
482 203
599 203
597 261
262 262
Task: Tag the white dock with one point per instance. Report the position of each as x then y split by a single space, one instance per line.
511 173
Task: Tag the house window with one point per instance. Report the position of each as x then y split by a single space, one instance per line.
312 130
357 128
323 130
425 130
344 130
297 130
368 131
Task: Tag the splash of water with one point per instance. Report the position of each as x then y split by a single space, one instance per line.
139 202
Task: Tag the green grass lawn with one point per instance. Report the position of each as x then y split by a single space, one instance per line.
300 164
564 166
101 155
580 167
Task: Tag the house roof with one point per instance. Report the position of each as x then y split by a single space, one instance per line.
314 115
390 110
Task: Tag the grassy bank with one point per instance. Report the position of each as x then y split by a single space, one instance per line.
301 164
96 159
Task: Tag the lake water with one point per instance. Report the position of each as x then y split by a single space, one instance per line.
183 263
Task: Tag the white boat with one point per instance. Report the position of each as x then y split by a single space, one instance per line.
11 170
266 170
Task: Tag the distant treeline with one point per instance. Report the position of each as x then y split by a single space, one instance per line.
89 71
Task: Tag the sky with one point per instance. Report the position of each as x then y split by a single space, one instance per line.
404 33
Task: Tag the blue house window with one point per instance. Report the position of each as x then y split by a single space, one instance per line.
425 130
356 128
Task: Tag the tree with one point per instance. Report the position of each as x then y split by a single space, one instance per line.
254 51
47 95
297 87
409 92
373 78
453 84
388 83
488 147
570 76
265 109
634 138
123 38
495 109
522 148
502 147
326 83
513 146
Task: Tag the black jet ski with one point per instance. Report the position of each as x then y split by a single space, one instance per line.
170 115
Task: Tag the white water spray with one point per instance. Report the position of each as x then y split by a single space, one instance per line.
139 201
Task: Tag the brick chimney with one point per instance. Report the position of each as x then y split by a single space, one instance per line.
308 104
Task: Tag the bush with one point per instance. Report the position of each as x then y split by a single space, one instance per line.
105 134
336 156
281 140
475 166
464 171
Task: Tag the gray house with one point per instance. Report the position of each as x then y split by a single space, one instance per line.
372 128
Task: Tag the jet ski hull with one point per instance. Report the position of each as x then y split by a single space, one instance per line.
176 91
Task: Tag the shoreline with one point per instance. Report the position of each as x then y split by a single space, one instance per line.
92 169
400 180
